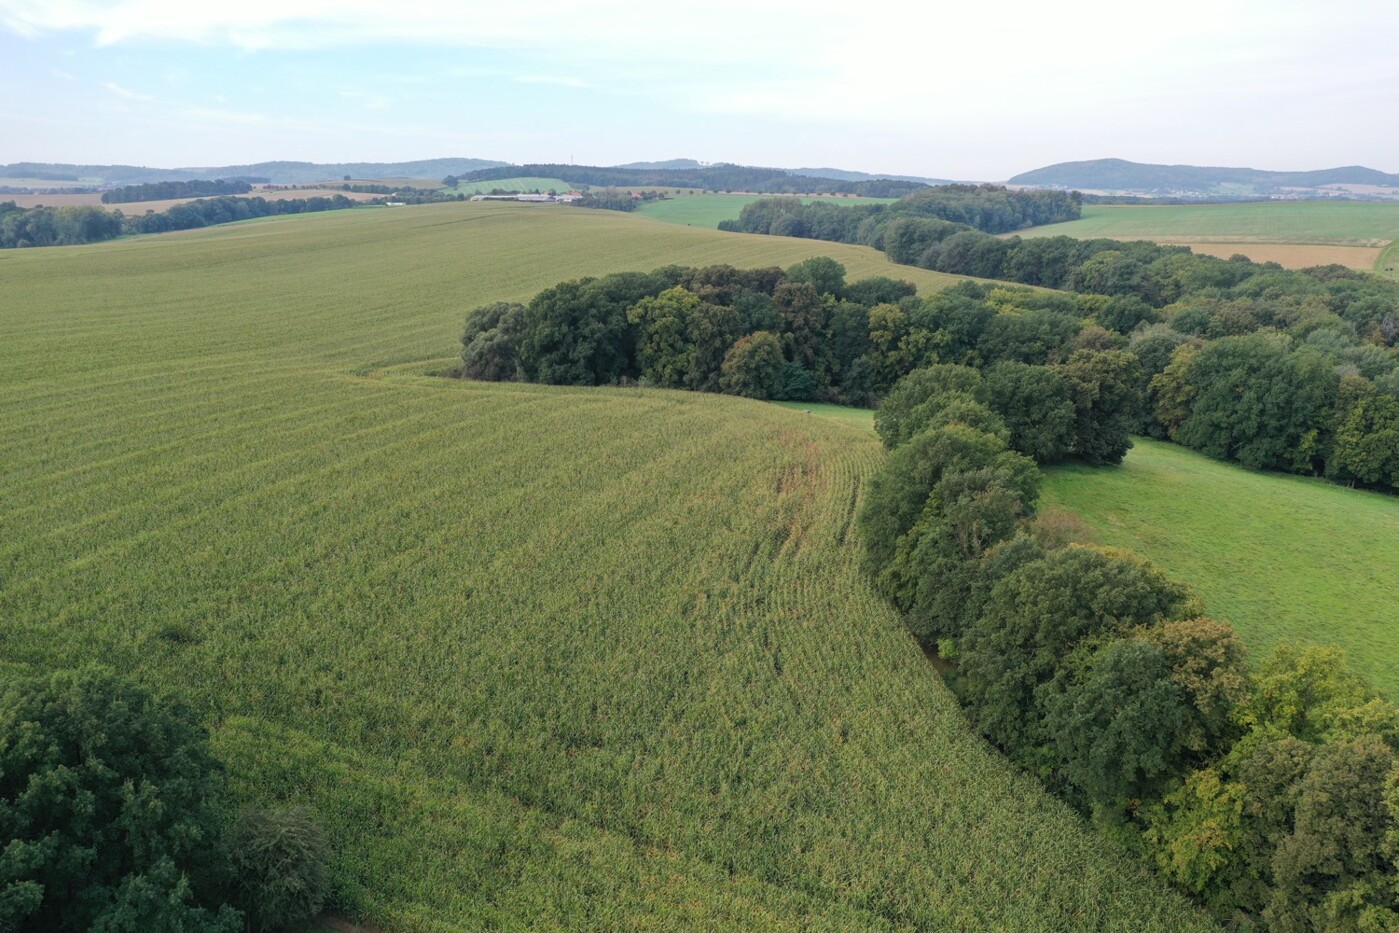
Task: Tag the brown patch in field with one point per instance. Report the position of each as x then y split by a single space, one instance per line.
136 208
1288 255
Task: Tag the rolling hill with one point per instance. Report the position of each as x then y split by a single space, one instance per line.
1122 175
278 173
540 658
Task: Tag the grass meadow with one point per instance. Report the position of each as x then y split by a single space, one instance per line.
524 183
1293 233
1280 557
708 210
540 658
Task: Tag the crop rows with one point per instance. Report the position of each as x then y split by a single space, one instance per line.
540 658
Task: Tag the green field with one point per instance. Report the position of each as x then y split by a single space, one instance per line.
707 210
524 183
1280 557
1342 222
862 418
540 658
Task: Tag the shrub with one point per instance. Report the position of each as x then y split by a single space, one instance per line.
280 857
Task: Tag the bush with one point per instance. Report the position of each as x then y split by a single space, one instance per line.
280 856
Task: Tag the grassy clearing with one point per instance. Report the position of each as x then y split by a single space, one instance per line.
508 184
1388 263
862 418
708 210
1280 557
1348 232
541 658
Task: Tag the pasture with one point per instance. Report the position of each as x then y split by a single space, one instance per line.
1280 557
540 658
529 183
1293 233
708 210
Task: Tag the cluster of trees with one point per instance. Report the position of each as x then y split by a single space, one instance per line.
1271 795
1277 369
226 210
722 177
117 817
612 200
1281 370
764 333
169 190
69 226
55 226
912 219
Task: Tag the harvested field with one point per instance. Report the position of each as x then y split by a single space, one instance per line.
1287 255
140 207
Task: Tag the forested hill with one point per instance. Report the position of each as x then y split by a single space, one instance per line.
679 173
838 174
720 177
1122 175
277 173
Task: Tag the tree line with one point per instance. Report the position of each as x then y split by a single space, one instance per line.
1277 369
69 226
1281 383
170 190
944 210
1271 795
722 177
802 333
117 817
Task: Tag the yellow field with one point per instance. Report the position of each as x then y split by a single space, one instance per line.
1287 255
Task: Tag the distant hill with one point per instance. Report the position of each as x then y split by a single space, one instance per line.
1122 175
719 176
280 173
834 174
669 165
845 175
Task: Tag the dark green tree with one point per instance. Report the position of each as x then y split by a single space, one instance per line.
917 397
1106 391
1037 405
490 343
1037 616
112 808
754 366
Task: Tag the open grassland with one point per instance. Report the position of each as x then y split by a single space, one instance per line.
540 658
1280 557
1279 231
529 183
707 210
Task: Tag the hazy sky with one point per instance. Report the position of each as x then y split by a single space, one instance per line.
975 90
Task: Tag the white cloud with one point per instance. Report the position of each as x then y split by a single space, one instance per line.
559 80
125 93
933 82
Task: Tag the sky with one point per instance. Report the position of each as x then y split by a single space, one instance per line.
972 91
